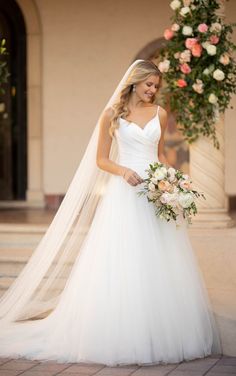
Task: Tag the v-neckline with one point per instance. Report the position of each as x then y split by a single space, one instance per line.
149 121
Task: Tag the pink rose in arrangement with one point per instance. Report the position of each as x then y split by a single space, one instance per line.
177 55
187 3
185 56
181 83
196 50
224 59
164 186
168 34
185 184
190 42
185 68
202 28
198 86
214 39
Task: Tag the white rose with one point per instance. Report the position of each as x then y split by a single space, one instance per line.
184 11
159 174
211 49
151 187
185 199
175 4
218 75
205 44
171 174
212 98
175 27
206 71
187 30
151 195
215 27
185 177
164 66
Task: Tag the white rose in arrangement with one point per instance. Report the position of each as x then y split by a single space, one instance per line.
171 174
164 66
184 11
160 173
154 180
205 44
186 177
151 187
175 27
211 49
169 198
151 195
187 30
206 71
185 199
185 56
215 27
175 4
212 98
218 75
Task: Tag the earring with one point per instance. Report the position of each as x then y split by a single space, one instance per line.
134 86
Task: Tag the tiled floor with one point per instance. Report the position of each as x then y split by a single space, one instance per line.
210 366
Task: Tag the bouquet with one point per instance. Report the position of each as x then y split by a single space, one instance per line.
171 192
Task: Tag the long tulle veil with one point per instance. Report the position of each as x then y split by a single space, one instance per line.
36 291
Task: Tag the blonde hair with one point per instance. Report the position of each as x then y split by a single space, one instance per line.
140 72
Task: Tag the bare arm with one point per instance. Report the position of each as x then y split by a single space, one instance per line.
163 121
103 151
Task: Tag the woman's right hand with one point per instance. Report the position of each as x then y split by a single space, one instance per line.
132 177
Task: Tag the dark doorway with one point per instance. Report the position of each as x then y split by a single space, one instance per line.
13 136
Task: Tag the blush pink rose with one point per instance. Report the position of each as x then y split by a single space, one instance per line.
164 185
190 42
168 34
214 39
202 28
197 50
181 83
185 68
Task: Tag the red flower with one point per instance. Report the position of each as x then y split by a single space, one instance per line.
168 34
197 50
181 83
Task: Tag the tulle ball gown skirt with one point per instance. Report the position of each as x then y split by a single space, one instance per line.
135 294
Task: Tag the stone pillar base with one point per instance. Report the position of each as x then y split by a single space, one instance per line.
35 198
212 218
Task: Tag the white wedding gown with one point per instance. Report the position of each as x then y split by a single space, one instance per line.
135 294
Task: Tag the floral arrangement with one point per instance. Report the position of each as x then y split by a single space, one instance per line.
198 67
170 191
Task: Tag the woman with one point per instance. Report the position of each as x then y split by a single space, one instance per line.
134 293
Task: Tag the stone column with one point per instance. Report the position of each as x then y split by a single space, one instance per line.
207 170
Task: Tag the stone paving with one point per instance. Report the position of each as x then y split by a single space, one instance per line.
216 365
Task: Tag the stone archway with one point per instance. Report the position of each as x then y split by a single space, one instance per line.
34 194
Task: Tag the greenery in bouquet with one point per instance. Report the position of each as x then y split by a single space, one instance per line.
171 192
198 67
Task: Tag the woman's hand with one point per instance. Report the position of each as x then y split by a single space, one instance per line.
132 177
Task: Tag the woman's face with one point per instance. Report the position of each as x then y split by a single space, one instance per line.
147 89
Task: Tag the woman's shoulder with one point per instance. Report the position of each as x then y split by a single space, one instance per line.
108 113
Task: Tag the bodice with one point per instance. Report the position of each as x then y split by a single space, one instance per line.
137 147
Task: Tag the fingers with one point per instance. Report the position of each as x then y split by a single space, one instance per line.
135 179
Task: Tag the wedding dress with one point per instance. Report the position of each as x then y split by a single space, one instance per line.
135 295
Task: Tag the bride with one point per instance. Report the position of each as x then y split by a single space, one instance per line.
110 282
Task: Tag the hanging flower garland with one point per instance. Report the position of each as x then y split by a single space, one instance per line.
198 67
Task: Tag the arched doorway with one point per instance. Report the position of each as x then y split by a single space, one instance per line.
13 130
177 149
